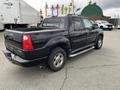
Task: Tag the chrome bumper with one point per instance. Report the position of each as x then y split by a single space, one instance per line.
12 57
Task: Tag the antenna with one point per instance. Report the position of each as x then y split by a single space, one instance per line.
73 5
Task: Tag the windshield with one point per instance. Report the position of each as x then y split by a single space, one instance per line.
54 22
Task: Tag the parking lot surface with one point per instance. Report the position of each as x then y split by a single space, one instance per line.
94 70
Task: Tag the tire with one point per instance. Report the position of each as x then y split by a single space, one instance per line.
110 29
99 42
101 27
57 59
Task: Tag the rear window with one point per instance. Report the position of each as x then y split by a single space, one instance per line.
54 22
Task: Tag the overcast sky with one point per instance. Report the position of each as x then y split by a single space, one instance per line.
110 7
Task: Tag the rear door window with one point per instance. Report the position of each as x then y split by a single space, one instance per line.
77 24
54 22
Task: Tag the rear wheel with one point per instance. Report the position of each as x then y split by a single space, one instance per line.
110 29
57 59
99 42
101 27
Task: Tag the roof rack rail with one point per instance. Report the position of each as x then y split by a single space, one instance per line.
72 15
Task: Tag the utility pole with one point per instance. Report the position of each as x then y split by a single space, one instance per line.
73 6
46 7
57 8
52 8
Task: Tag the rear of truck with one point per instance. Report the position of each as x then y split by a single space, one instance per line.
32 46
24 48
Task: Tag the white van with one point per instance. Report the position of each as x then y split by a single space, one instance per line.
17 13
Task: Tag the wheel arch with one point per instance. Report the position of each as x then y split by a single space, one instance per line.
101 35
63 45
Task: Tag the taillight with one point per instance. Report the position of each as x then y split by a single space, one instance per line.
27 42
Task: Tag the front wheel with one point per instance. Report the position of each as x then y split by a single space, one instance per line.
110 29
99 42
101 27
57 59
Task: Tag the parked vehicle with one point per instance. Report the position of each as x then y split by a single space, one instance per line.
104 24
115 22
57 39
17 13
118 26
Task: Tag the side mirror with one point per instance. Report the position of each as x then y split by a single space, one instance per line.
95 26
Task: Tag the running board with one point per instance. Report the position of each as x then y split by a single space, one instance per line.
73 55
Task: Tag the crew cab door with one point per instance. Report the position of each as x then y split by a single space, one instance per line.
91 31
77 33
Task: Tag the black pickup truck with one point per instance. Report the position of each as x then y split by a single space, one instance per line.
55 40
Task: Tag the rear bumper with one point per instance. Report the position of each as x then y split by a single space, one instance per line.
22 62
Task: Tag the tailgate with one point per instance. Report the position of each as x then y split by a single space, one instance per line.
13 41
14 44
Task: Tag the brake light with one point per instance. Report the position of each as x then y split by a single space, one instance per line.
27 42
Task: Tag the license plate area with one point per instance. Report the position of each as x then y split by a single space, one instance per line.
9 55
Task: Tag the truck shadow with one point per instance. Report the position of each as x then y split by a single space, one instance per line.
32 73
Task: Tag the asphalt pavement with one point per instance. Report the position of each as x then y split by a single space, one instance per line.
94 70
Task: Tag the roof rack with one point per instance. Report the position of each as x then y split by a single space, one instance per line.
74 15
